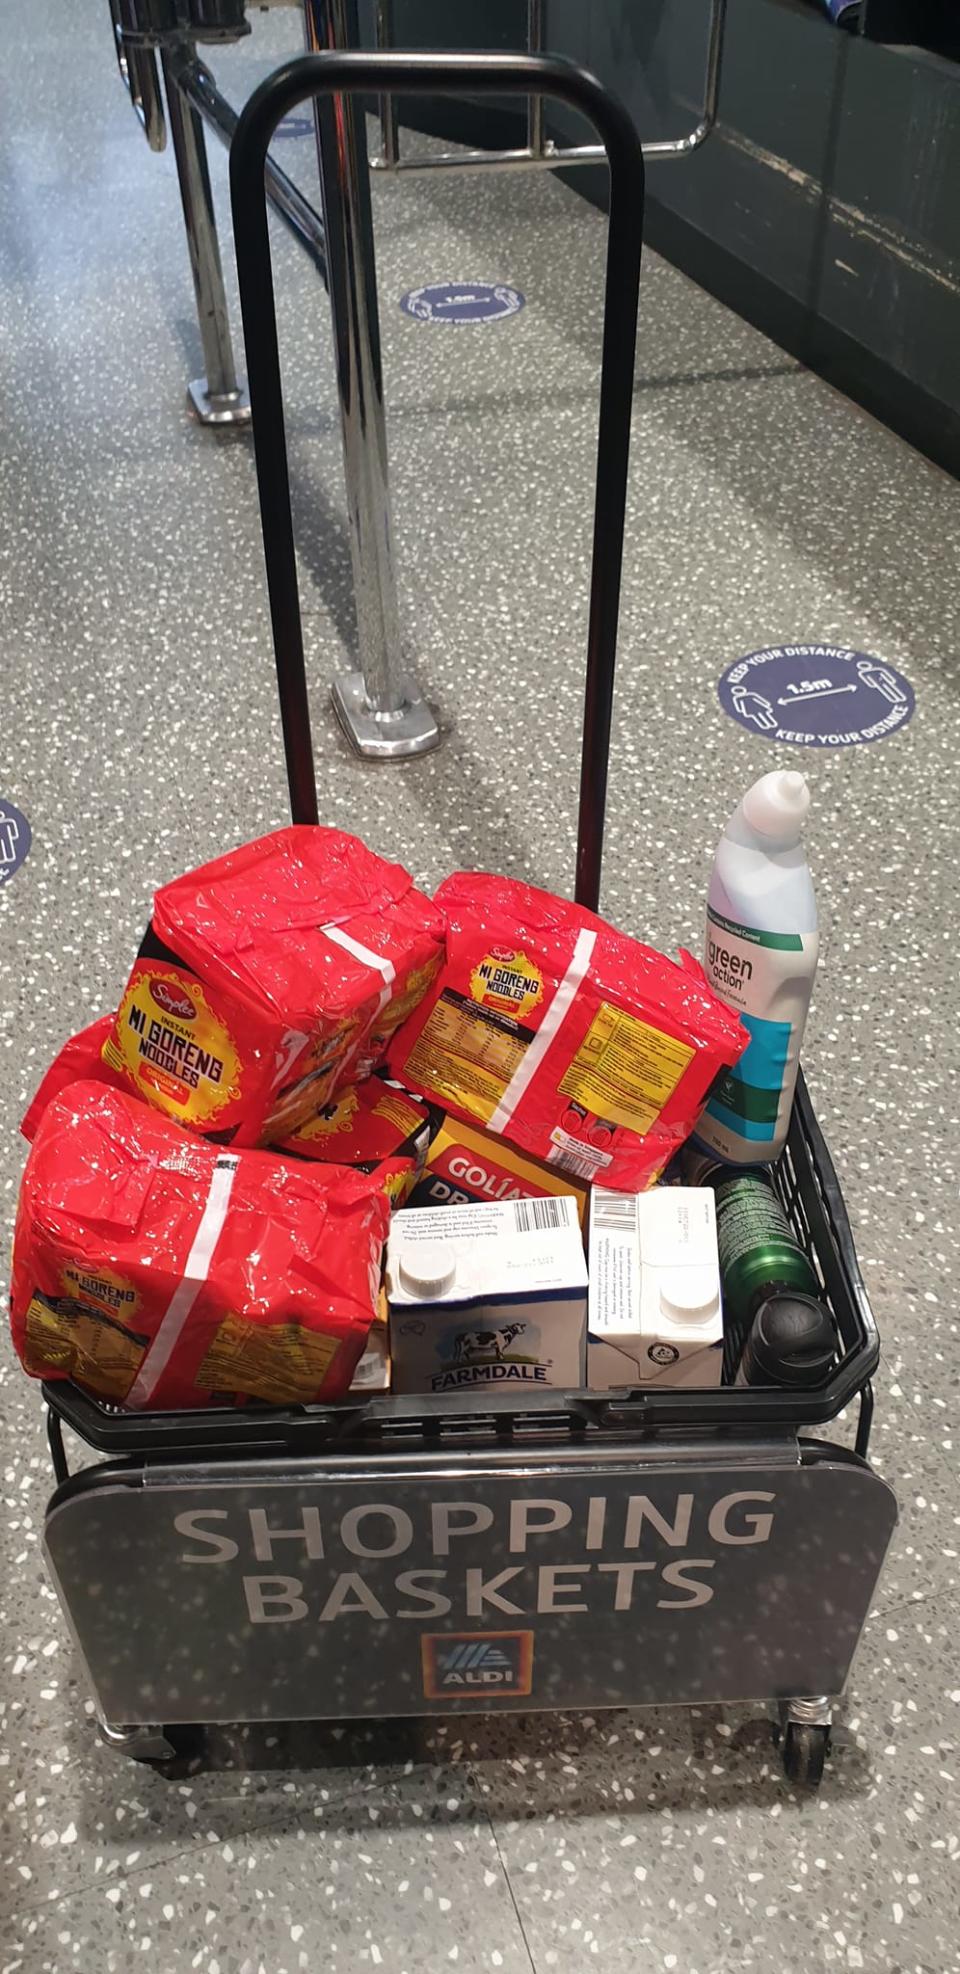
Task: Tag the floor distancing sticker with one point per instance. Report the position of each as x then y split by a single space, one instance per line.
816 695
16 837
462 301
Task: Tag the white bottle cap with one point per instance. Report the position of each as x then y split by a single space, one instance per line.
689 1295
427 1272
777 804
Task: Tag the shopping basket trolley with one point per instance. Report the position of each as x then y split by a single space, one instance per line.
392 1556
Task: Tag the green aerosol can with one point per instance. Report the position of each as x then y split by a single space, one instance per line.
759 1254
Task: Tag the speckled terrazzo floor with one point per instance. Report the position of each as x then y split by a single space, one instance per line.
138 732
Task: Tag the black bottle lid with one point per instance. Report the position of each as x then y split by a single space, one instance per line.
792 1341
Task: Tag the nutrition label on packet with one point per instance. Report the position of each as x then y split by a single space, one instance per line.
468 1054
625 1070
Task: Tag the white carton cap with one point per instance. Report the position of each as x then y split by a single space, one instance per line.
429 1271
689 1295
777 804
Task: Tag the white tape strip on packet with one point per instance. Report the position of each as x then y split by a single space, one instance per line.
555 1015
362 953
191 1282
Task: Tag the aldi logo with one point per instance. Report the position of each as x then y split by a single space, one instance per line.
493 1665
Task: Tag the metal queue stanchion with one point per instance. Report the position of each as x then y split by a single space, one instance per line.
378 701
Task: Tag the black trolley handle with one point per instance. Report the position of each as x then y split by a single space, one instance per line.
444 75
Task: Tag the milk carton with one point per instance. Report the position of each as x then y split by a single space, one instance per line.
654 1314
373 1371
487 1296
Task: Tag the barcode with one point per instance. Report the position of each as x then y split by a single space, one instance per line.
617 1210
579 1167
533 1215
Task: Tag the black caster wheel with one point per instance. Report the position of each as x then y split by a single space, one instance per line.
187 1747
172 1751
804 1748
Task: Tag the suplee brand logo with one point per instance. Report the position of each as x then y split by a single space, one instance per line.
175 1047
507 981
489 1665
172 1000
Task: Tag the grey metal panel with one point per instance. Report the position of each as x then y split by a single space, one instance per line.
890 271
740 1577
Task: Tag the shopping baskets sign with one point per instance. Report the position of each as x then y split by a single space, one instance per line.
238 1593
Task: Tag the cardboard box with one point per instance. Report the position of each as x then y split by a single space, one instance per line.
465 1164
487 1296
655 1311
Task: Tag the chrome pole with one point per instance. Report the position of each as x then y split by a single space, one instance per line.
535 103
538 151
379 706
389 126
220 397
202 94
522 76
681 147
138 72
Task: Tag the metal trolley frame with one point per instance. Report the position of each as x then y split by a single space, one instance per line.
565 1550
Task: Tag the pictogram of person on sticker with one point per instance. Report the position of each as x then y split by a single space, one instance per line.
9 838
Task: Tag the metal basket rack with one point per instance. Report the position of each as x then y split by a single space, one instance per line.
791 1531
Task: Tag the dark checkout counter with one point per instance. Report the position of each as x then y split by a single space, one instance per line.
824 207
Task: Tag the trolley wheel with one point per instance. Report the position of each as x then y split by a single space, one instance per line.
804 1749
187 1745
170 1750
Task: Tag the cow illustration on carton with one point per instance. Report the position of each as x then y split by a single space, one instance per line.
486 1346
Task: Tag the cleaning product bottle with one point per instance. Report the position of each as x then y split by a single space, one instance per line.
761 957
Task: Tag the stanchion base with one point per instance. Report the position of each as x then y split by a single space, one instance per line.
219 407
383 736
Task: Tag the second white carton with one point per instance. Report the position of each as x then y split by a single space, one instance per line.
655 1312
487 1295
